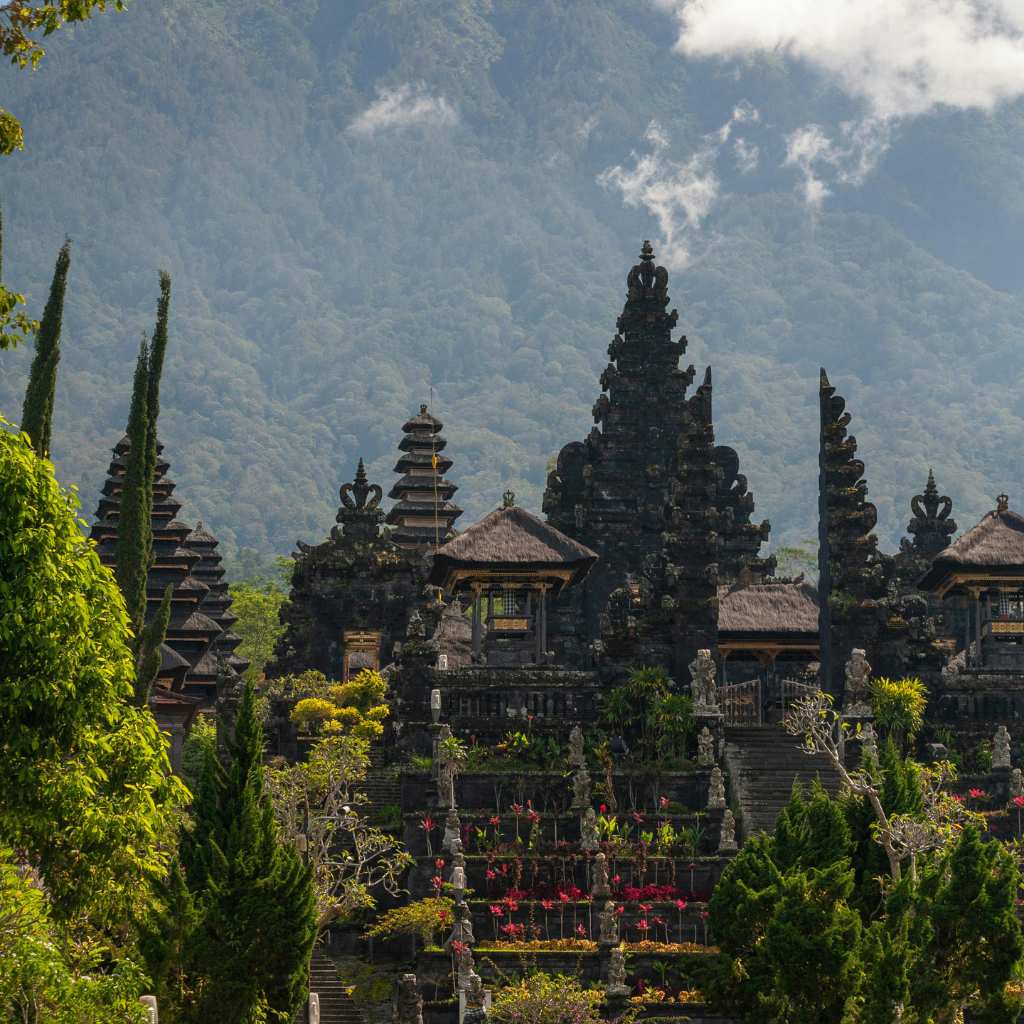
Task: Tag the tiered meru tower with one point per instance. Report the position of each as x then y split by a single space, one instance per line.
423 514
612 491
199 648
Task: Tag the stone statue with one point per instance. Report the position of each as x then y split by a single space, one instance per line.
705 748
617 987
475 999
1016 783
868 742
588 831
600 888
445 770
415 628
465 965
452 831
458 878
435 705
462 928
581 788
576 756
727 836
716 790
608 925
1001 748
408 1006
858 671
702 682
152 1017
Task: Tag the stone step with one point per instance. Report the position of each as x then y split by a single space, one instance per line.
336 1005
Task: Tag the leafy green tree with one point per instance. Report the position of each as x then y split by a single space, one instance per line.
215 947
541 998
45 975
899 705
37 411
86 794
258 607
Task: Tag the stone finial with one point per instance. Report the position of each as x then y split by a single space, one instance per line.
608 925
435 705
705 748
702 682
1001 748
600 888
1016 783
617 987
716 790
588 831
408 1004
508 499
577 758
727 835
1003 503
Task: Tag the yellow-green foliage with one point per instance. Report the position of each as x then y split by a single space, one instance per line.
546 999
899 704
355 708
424 918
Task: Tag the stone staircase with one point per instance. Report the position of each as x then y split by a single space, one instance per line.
336 1005
763 763
382 786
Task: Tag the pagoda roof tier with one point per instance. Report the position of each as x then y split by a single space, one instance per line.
228 641
511 542
993 550
422 421
422 483
420 458
202 537
443 511
173 666
196 623
423 443
770 608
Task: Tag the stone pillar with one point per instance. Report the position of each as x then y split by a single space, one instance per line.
314 1008
477 625
151 1011
977 627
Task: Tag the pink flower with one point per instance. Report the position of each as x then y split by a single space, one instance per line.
617 880
581 931
976 794
563 896
680 905
497 911
490 875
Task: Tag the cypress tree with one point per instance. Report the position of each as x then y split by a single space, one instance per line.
157 350
37 411
255 911
134 525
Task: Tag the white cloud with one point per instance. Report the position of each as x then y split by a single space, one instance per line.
678 194
402 107
850 159
584 128
747 156
902 57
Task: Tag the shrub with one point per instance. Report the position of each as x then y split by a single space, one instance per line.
546 999
899 704
424 918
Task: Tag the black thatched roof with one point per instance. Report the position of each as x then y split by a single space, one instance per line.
768 608
514 538
996 543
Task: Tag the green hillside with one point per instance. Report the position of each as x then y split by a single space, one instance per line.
326 278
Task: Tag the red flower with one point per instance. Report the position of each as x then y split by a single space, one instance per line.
497 911
517 809
563 896
547 904
642 924
490 875
603 809
958 797
458 948
704 915
439 863
442 916
437 882
680 905
427 824
581 931
644 908
534 817
620 910
503 868
496 820
1018 801
617 879
638 817
976 794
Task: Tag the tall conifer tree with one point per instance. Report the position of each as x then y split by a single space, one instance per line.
248 892
37 411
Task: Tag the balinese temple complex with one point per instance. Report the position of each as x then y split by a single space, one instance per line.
514 631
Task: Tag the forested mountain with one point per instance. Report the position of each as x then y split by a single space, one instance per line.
358 199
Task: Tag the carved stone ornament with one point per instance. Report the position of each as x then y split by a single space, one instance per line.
727 836
705 748
408 1006
858 672
716 790
581 788
868 742
617 987
600 888
576 756
608 925
588 831
702 682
